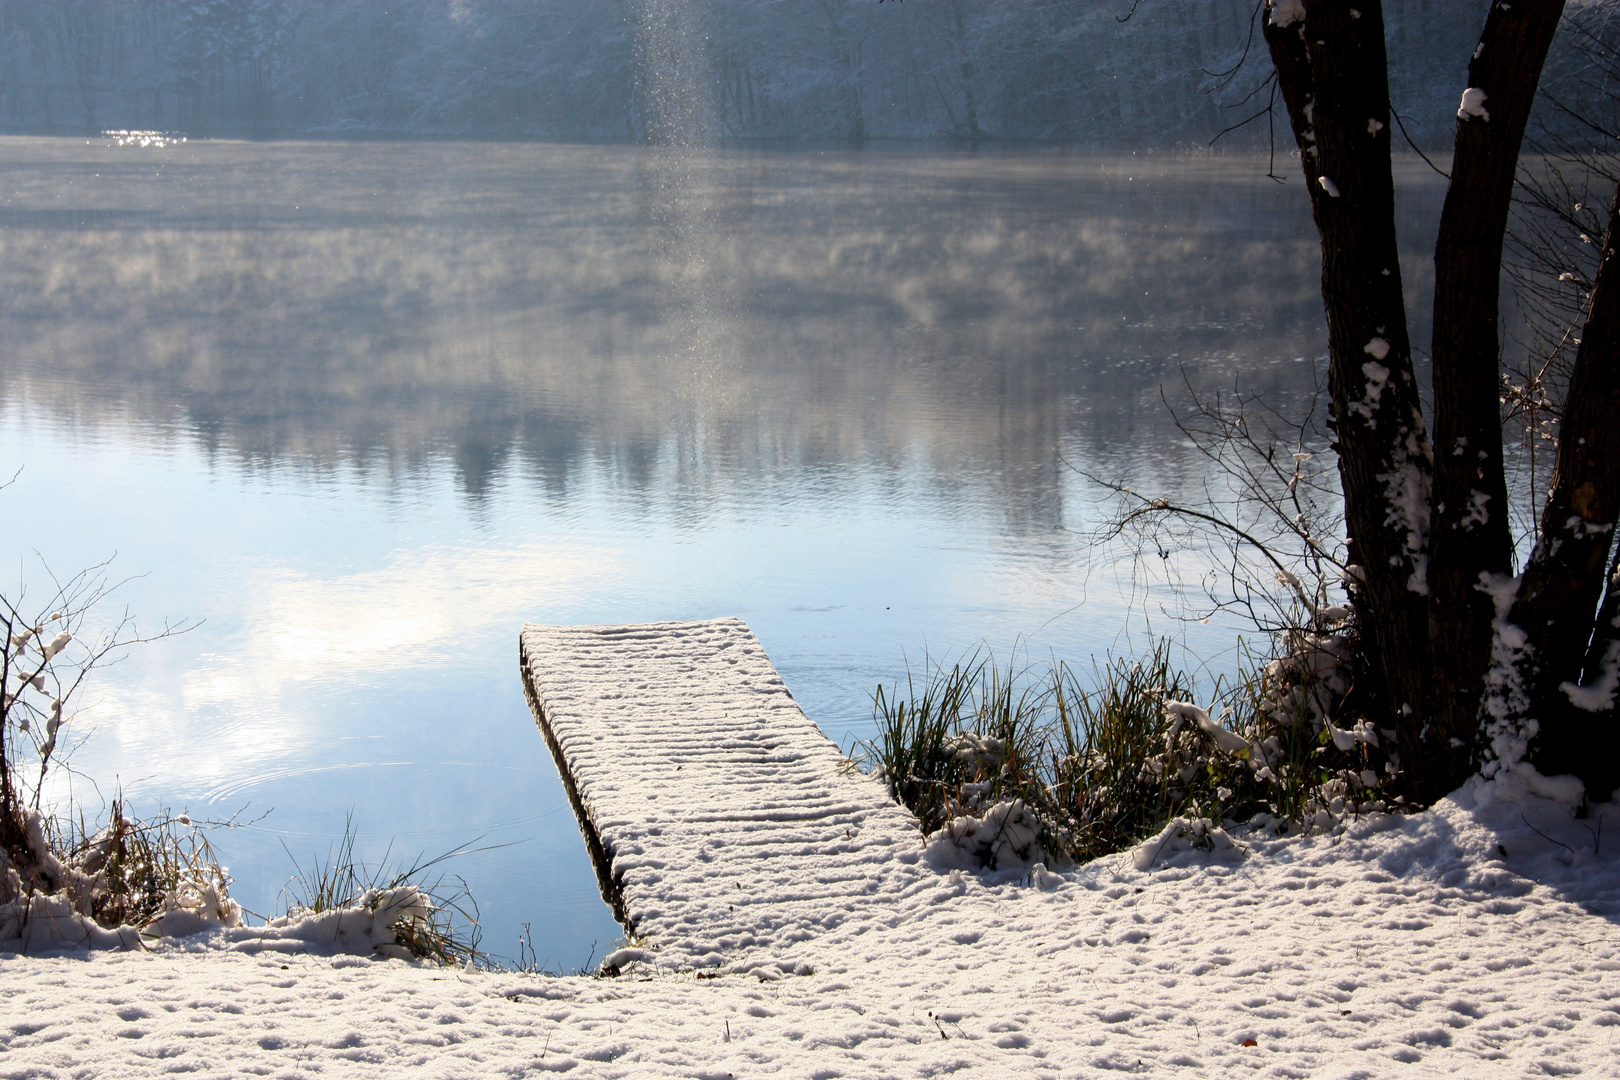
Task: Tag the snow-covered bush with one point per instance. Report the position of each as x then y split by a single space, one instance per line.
1314 749
1007 769
390 912
964 755
1006 836
1182 834
59 882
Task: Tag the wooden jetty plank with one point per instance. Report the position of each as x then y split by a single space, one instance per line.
725 827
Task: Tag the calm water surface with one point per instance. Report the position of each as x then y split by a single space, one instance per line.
362 409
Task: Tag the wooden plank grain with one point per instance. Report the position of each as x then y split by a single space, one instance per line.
727 830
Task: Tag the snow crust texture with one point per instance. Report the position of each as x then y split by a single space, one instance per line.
1409 947
735 834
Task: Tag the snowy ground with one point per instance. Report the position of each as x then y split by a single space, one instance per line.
1478 939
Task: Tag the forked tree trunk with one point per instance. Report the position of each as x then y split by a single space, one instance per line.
1428 622
1331 71
1469 532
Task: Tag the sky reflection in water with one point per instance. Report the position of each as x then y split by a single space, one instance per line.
365 408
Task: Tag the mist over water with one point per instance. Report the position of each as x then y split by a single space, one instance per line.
364 408
1069 70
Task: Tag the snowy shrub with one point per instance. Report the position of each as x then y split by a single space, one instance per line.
1006 769
193 907
60 882
964 755
390 912
153 878
398 922
1006 837
911 755
1114 776
1182 834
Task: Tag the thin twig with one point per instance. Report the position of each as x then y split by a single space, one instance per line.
1545 837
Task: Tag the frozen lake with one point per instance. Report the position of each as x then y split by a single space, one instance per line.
361 409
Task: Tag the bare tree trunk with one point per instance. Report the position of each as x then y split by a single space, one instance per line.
1331 71
1558 598
1469 531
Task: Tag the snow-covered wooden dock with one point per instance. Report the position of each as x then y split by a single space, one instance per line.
725 827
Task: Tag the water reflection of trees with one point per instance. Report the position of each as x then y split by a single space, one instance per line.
1042 69
767 319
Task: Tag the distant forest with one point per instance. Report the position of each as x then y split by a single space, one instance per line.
1160 73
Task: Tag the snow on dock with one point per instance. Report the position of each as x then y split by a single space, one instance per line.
725 827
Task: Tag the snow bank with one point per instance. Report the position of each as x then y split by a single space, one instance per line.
42 923
1481 939
368 927
201 917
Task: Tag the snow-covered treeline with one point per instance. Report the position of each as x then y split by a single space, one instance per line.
1072 70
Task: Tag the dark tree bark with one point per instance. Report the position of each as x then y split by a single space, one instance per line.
1603 655
1331 71
1469 531
1602 674
1557 606
1537 683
